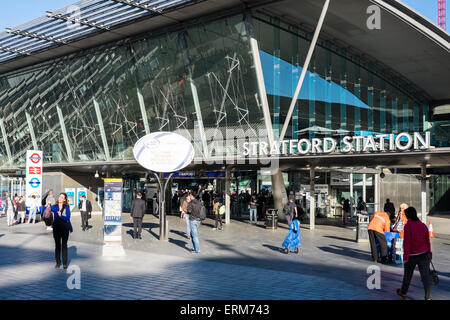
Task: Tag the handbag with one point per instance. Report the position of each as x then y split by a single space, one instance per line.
434 275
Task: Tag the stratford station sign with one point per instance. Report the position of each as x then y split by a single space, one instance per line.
371 143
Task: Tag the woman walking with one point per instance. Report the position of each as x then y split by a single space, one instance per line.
401 220
61 229
9 209
293 239
417 251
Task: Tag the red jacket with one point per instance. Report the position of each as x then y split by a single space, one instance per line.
417 239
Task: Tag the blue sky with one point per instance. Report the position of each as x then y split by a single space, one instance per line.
15 13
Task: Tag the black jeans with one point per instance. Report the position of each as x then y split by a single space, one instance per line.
219 220
423 261
61 236
84 219
373 245
137 224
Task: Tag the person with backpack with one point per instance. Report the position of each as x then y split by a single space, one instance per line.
416 251
194 210
61 229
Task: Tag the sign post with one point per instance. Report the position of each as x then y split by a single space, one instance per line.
163 152
33 176
113 210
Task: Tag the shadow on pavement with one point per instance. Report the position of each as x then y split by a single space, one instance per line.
180 243
180 233
348 252
339 238
277 249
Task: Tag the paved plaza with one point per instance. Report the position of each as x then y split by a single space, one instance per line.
241 262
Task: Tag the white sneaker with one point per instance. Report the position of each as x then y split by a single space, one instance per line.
214 229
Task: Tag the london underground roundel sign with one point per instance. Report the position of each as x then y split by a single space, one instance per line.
164 152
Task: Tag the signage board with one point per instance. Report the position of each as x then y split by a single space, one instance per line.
164 152
33 176
71 197
80 192
112 202
362 143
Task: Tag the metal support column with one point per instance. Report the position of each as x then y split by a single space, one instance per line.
227 196
352 198
377 192
364 187
305 69
423 183
102 130
65 136
5 141
312 204
143 109
163 225
30 126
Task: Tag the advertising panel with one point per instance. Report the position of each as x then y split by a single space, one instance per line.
80 192
113 210
33 176
70 197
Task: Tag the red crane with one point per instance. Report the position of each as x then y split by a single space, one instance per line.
442 14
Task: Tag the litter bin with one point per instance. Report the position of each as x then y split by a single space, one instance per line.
272 219
362 234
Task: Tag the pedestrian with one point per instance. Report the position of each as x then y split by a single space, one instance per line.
16 201
85 207
49 198
217 212
346 210
416 251
293 239
34 207
193 209
9 209
61 229
253 209
292 210
47 216
379 224
155 204
389 208
361 207
21 210
137 213
185 213
401 220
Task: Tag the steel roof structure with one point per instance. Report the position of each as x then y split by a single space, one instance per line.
76 21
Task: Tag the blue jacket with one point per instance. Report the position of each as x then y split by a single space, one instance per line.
65 216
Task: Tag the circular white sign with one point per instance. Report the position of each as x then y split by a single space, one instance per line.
164 152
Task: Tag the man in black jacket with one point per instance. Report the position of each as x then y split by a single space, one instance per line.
85 207
389 208
138 208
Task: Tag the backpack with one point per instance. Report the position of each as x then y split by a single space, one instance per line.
48 215
203 213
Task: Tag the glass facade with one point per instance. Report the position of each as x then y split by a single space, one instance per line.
94 105
341 93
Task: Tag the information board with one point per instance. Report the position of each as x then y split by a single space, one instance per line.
70 197
113 210
33 176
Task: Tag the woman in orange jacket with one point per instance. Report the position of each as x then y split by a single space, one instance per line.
379 224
